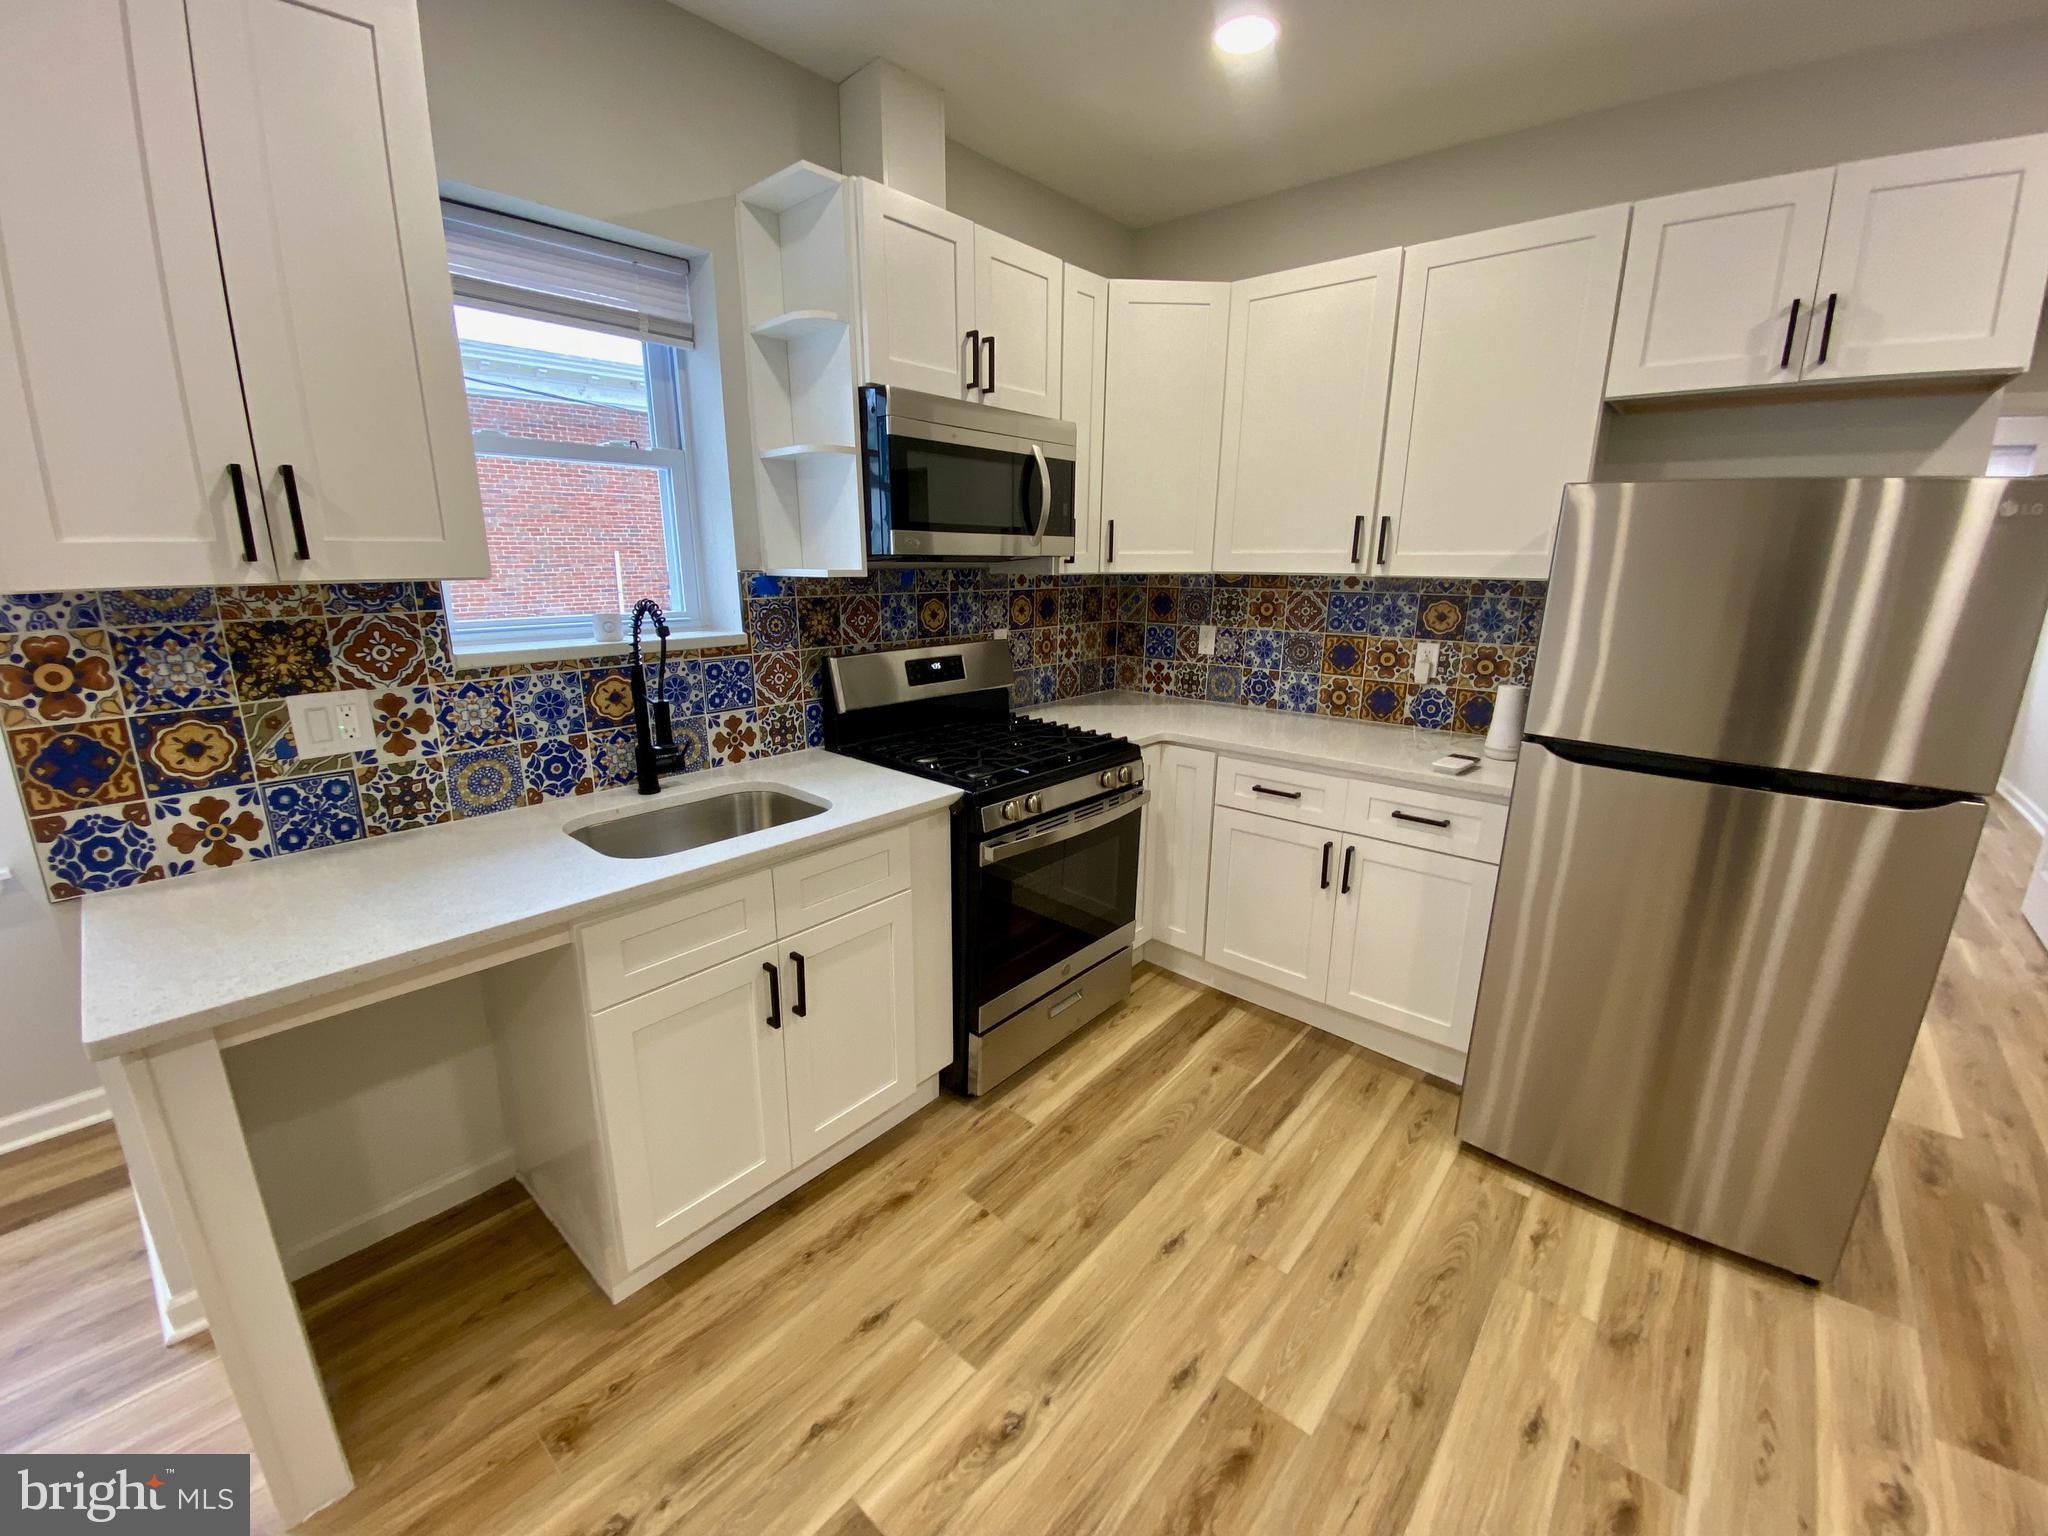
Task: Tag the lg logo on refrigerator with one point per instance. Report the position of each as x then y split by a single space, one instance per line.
2011 508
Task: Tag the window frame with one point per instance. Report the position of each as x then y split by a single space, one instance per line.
482 642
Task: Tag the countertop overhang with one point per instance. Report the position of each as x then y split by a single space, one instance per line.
170 960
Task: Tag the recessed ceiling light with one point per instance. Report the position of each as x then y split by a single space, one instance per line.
1246 34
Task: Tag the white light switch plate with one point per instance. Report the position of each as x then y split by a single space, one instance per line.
1205 640
1429 655
324 723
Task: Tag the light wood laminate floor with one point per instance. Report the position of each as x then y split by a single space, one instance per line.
1203 1270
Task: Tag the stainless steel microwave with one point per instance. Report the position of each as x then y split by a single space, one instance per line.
952 480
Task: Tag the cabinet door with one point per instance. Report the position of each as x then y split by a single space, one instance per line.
917 294
1499 367
329 217
120 404
1709 292
1017 294
1162 424
1153 830
696 1121
849 1005
1935 262
1184 795
1084 365
1304 415
1272 889
1411 933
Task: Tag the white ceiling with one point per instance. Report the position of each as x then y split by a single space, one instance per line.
1123 105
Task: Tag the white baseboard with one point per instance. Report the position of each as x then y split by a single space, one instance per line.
2025 804
1423 1055
409 1209
27 1127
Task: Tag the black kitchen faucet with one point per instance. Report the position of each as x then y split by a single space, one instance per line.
654 743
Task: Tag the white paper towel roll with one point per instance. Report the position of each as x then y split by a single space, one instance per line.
1510 709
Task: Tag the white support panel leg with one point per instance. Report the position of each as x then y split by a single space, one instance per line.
185 1117
177 1299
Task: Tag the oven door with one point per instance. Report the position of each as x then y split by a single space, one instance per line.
956 489
1048 901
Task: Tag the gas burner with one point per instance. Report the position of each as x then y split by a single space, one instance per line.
984 755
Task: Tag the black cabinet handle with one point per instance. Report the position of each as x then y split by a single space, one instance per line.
291 501
989 341
1791 325
1345 884
801 1007
774 994
1357 537
242 512
1277 794
1827 329
1109 555
1424 821
974 359
1385 524
1326 866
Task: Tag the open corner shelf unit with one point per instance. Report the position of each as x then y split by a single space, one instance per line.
799 284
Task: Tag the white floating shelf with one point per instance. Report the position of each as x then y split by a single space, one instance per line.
791 185
808 451
798 323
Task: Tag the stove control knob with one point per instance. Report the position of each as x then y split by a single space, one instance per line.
1123 774
1033 804
1009 810
1109 778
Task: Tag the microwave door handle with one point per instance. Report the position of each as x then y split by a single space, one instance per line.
1044 493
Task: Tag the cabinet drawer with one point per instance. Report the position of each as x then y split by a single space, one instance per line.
1472 829
1293 794
668 940
838 880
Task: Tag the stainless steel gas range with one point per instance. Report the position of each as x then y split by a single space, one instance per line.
1045 844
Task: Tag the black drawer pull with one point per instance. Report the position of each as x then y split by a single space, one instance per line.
774 994
1386 523
1424 821
242 513
1357 537
1277 794
1109 555
1349 850
1791 325
974 359
801 1007
1326 867
1827 329
291 501
989 341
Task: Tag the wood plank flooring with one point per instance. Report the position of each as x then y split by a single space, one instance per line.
1204 1270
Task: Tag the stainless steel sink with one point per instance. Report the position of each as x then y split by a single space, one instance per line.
693 823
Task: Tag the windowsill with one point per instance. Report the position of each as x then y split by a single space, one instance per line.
594 650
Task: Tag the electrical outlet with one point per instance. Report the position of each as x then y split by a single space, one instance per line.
1429 655
1205 641
326 723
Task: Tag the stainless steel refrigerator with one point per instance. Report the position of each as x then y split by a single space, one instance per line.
1764 717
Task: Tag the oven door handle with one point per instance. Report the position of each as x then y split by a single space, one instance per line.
1044 493
1087 819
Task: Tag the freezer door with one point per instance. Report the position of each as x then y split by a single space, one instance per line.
1866 629
1698 1000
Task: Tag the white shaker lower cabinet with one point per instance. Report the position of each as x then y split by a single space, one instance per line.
1270 896
1500 365
847 1010
696 1117
1176 875
1162 424
1410 936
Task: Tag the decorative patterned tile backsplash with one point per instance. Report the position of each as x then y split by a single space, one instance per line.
148 734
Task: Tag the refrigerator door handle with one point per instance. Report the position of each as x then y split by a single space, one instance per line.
1777 781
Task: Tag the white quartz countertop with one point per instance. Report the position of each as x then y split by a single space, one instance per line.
164 961
1393 753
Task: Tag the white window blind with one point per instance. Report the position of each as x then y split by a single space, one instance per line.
499 262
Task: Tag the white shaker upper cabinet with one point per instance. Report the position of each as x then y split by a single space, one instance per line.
330 233
1934 263
1084 369
1168 343
120 407
917 295
1304 415
1017 294
1718 289
1499 368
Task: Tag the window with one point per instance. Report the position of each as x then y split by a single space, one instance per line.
571 359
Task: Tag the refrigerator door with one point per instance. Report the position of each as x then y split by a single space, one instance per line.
1863 629
1698 1000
